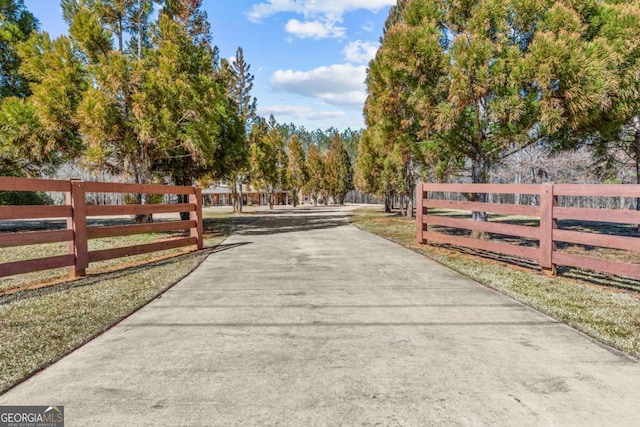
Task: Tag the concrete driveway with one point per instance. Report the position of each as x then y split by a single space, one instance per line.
305 320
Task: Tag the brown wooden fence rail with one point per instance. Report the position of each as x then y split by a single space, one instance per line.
76 211
547 233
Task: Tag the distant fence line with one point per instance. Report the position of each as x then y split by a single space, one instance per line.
359 197
548 211
77 233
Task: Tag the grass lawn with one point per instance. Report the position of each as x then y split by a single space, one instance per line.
603 307
38 327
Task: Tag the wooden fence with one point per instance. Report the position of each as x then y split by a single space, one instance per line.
77 233
547 233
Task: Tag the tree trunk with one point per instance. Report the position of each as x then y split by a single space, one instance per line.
240 194
120 30
234 195
143 176
410 183
479 175
140 30
141 199
388 201
637 161
184 198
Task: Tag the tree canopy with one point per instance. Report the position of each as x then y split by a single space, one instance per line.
457 86
338 171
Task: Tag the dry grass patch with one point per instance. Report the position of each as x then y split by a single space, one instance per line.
606 308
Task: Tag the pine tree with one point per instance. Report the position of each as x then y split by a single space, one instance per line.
21 152
157 106
16 25
350 139
182 96
153 107
369 168
40 130
476 82
241 84
108 115
116 14
338 171
390 82
297 173
617 135
268 158
183 108
315 166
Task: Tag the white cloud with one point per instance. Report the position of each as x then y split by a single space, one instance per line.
330 8
299 112
314 29
263 10
360 52
369 26
341 84
320 16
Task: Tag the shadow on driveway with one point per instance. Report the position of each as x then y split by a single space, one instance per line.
291 224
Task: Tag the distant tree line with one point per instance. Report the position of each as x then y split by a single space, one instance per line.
290 158
462 91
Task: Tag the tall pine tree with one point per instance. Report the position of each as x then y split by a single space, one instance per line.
338 171
316 167
297 173
471 84
240 85
268 158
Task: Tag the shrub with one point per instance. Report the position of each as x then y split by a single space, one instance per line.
24 198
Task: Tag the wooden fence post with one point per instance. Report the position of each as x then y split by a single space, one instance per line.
547 224
419 212
196 216
78 223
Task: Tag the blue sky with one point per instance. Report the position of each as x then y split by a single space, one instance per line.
309 57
